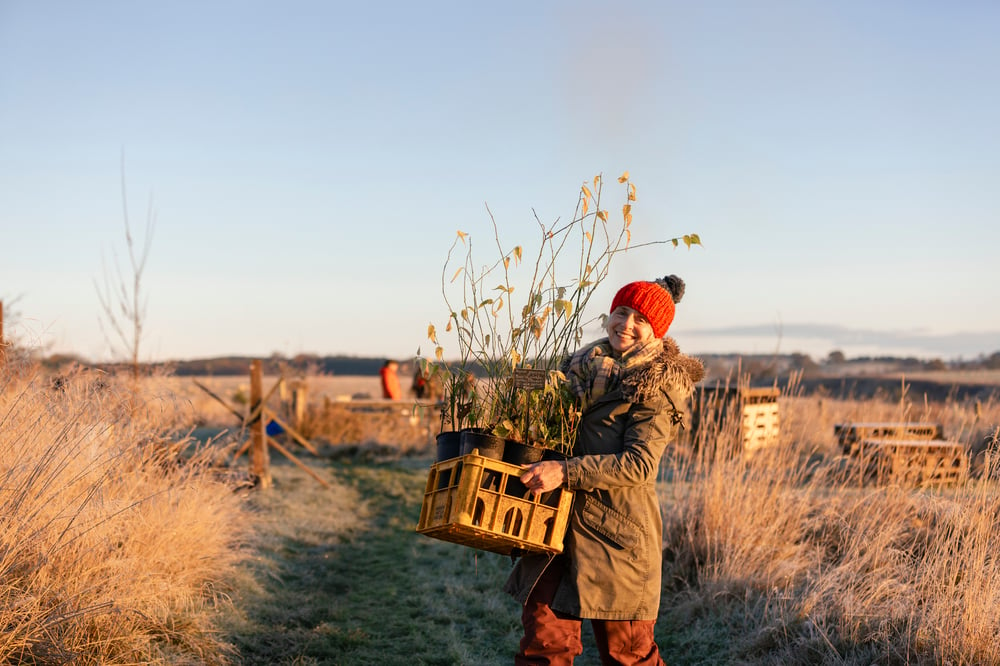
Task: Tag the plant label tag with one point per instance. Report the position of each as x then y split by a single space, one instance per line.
526 378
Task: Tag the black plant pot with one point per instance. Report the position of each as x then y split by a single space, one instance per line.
489 446
517 453
552 454
449 445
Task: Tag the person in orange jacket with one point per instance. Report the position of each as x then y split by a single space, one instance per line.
390 380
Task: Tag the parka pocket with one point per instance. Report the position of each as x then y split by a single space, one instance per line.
610 523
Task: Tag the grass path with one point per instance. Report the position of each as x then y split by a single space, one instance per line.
372 591
342 578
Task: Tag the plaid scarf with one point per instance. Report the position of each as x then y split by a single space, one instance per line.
596 369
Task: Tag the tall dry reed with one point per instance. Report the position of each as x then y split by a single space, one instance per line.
113 547
827 566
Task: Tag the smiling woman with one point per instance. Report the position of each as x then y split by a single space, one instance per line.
632 387
641 311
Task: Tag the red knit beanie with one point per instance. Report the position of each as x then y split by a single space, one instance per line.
654 300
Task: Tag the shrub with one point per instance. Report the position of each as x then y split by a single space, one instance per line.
112 548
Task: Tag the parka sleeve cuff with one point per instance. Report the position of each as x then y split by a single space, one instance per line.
572 468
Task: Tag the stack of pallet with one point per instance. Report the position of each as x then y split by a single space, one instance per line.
908 453
749 414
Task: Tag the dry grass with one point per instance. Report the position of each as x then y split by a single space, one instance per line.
205 410
331 418
113 549
827 571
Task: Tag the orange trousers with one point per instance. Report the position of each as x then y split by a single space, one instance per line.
553 638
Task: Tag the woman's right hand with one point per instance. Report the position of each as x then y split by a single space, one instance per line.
544 476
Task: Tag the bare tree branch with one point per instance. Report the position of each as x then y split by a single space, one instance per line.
124 314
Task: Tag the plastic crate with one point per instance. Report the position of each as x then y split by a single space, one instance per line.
481 503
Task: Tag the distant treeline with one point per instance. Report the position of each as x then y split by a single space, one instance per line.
762 367
326 365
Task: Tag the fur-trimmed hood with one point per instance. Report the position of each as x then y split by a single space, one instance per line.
671 371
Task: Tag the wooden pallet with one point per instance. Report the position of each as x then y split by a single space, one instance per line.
850 435
920 462
756 409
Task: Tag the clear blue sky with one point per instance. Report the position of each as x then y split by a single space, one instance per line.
310 162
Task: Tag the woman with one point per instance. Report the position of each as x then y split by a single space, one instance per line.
390 380
632 386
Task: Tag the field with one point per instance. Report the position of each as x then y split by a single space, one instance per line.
131 536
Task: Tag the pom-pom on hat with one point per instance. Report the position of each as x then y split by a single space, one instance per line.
654 300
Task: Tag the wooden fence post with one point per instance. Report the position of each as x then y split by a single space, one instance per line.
259 459
300 397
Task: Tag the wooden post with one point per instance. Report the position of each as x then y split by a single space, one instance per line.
283 400
259 460
299 400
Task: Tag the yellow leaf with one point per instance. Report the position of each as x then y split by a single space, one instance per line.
622 178
506 262
517 253
448 327
586 206
586 194
561 292
536 327
498 306
563 307
586 283
674 241
515 357
486 341
462 235
457 273
628 236
631 192
438 353
695 239
587 269
597 179
432 333
603 214
465 314
590 239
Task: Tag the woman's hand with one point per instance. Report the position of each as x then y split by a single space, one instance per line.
544 476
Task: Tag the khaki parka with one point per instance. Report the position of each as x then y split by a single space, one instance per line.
613 542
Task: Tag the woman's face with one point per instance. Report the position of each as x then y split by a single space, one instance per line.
627 328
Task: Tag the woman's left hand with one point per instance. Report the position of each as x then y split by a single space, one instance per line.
544 476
